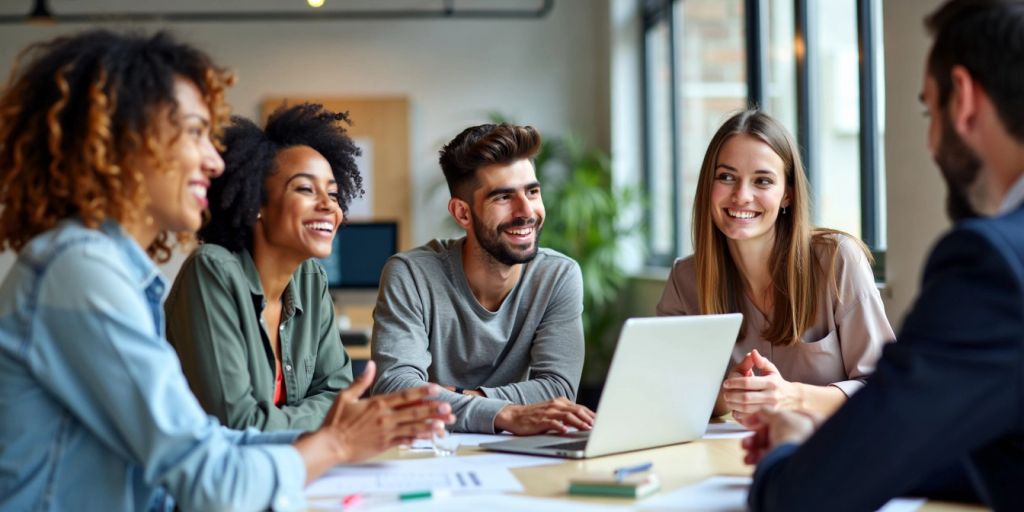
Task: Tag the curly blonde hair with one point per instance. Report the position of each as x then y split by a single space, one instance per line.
72 115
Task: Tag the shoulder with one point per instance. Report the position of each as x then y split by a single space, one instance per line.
213 253
841 253
828 244
212 259
553 260
431 261
79 267
996 243
432 254
684 269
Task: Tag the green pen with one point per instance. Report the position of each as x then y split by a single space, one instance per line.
420 495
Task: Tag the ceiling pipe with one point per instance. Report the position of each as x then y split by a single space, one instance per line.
41 12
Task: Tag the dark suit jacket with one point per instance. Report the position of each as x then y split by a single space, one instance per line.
951 391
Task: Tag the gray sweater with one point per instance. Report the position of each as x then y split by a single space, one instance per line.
428 327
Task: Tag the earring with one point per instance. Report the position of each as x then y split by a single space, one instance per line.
783 210
259 215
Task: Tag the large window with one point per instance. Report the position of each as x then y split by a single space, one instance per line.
813 64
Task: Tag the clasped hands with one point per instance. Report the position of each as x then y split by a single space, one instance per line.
767 404
745 392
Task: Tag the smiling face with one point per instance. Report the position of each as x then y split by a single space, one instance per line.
748 189
507 212
177 190
301 214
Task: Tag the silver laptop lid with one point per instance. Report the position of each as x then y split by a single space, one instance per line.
663 381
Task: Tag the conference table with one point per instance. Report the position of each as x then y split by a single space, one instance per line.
677 466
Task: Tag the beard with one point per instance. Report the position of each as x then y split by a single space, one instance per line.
504 252
961 170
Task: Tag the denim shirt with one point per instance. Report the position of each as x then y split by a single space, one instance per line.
96 413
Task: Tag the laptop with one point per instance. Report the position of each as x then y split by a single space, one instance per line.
660 390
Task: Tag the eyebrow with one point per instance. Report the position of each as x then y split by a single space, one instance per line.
205 121
757 171
309 176
509 190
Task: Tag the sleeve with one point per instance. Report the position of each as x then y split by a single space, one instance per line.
401 348
941 392
673 300
332 370
96 346
205 326
862 325
556 356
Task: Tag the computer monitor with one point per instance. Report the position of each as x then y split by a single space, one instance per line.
359 252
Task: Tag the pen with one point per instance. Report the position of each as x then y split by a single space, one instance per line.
419 495
351 500
621 473
356 501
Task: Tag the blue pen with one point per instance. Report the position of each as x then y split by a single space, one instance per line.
629 470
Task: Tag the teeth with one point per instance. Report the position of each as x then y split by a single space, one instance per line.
320 226
520 232
197 190
741 214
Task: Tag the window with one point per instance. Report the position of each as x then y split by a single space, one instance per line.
813 64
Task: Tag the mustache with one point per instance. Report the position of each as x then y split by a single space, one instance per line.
520 222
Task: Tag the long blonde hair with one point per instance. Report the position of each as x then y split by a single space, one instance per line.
796 272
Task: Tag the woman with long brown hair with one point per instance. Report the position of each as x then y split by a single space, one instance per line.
813 323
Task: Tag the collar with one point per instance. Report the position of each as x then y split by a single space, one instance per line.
140 264
292 302
1014 197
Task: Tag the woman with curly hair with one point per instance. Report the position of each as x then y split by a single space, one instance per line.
813 321
250 313
106 148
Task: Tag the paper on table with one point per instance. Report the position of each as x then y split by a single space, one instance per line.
729 494
392 477
715 494
475 503
464 440
727 430
902 505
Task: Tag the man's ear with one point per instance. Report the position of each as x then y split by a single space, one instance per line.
461 212
963 104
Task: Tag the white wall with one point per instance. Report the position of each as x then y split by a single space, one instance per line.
915 193
551 73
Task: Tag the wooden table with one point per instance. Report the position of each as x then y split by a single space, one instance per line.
677 466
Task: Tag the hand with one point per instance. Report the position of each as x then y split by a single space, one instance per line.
745 393
555 415
773 428
355 429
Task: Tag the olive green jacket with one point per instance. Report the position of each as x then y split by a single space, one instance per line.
214 320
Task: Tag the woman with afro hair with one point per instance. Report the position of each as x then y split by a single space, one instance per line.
250 313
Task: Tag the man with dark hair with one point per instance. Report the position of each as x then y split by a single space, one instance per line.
951 392
491 317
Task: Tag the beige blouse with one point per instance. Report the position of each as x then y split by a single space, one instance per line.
842 345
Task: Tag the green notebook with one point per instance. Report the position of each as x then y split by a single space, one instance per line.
633 486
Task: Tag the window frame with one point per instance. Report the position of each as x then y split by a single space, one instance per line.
756 45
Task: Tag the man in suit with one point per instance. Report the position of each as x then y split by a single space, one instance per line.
951 392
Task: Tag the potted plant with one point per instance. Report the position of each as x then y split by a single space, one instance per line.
585 221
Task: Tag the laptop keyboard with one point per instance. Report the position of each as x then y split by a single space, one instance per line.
572 445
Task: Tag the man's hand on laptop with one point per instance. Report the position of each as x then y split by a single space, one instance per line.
556 415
